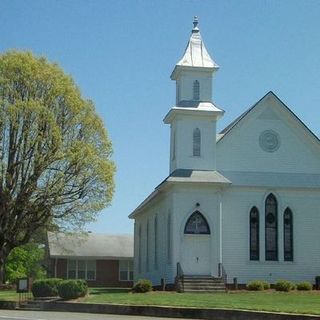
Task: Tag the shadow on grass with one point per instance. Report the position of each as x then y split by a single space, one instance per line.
98 291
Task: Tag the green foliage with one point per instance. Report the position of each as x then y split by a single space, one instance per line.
72 289
46 287
55 155
304 286
142 286
25 261
256 285
284 285
266 285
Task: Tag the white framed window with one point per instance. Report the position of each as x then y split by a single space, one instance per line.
174 145
91 269
196 90
196 142
72 269
125 270
82 269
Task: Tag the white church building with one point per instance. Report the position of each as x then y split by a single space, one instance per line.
243 203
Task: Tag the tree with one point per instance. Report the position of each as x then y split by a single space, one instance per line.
55 164
25 261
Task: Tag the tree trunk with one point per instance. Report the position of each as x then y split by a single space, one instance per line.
2 275
3 258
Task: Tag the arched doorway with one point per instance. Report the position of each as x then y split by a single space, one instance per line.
195 246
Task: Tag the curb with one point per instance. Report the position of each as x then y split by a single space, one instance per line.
173 312
9 305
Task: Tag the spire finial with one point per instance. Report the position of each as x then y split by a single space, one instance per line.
195 24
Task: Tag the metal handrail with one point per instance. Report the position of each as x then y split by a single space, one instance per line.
179 278
222 273
179 270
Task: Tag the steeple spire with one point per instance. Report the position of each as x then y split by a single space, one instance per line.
196 54
195 24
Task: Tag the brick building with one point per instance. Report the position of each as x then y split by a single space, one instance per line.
102 260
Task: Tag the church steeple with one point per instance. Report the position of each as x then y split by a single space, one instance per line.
196 54
193 73
193 119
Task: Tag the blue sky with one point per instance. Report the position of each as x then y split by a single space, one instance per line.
121 54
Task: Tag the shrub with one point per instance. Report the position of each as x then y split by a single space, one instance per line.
255 285
317 279
45 287
305 285
72 289
284 285
142 286
266 285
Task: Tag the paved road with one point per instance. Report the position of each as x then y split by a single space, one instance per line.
48 315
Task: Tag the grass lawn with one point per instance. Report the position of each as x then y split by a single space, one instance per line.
293 302
9 295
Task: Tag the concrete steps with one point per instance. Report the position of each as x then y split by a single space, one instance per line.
201 284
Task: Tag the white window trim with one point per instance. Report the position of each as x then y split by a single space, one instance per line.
86 269
128 271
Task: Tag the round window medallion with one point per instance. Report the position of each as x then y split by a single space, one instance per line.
269 141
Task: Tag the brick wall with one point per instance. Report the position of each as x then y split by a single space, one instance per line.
107 273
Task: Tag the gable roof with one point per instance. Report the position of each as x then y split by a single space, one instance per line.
238 120
89 245
184 176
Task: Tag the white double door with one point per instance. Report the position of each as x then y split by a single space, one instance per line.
195 254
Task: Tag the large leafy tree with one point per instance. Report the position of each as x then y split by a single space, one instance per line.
25 261
55 162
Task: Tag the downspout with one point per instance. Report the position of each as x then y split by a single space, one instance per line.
55 267
220 226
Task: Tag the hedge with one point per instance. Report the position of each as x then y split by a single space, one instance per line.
45 287
72 289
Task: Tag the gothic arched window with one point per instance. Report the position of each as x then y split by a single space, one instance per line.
196 142
173 145
197 224
271 227
254 234
288 235
196 90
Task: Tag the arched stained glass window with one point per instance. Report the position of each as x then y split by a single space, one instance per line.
254 234
196 142
197 224
173 145
196 90
271 228
288 235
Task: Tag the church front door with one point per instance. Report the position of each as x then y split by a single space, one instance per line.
195 255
